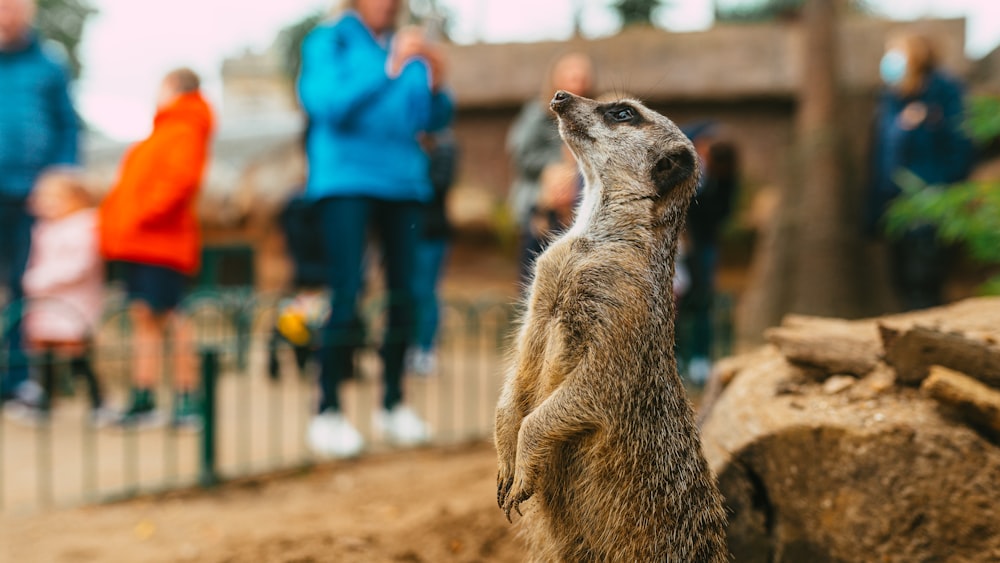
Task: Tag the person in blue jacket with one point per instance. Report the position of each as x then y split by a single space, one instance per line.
919 129
370 92
38 129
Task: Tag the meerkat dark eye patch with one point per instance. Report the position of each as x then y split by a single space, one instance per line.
617 114
672 169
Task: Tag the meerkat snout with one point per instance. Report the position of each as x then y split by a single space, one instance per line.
560 99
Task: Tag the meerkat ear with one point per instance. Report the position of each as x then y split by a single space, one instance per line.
671 170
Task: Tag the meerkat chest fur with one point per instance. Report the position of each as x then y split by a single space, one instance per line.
593 424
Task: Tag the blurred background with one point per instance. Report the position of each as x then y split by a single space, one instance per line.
794 93
737 63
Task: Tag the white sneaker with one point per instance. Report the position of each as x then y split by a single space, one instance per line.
402 426
331 435
102 417
24 413
422 363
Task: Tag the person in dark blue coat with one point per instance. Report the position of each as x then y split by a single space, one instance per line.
709 211
370 92
919 129
432 252
38 129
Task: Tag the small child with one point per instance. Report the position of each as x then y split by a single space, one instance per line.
64 281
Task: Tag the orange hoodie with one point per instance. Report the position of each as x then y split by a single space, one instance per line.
149 215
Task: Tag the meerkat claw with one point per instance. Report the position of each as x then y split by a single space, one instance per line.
503 490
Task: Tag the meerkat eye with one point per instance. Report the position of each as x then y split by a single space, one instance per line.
622 114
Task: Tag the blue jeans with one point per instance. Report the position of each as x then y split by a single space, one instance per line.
15 243
344 226
431 254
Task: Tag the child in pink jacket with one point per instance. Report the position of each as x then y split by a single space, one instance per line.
64 280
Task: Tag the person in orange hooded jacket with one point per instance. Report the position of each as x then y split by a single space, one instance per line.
149 225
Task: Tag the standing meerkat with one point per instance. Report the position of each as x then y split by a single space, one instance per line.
593 423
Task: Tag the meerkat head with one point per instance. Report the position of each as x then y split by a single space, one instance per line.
628 150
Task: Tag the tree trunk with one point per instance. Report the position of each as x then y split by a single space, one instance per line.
808 262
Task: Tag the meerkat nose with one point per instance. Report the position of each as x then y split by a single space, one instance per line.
561 98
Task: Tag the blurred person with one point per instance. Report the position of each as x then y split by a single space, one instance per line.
301 315
148 224
64 282
533 142
709 211
918 128
369 93
38 129
560 187
432 251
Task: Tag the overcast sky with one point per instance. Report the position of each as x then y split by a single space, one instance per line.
131 43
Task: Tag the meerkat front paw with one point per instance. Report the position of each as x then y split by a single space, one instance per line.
505 480
516 491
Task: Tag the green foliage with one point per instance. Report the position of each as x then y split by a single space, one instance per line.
967 213
983 123
637 12
62 21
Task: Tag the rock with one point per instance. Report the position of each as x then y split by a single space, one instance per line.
837 383
722 373
969 399
913 351
874 473
832 345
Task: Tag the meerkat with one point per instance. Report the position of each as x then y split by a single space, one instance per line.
593 424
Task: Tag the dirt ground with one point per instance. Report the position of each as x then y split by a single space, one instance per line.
420 505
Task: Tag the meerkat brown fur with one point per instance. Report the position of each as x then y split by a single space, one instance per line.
593 424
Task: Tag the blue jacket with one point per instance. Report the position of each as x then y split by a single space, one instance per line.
364 127
937 150
38 127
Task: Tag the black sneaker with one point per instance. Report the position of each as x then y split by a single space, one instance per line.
186 411
142 412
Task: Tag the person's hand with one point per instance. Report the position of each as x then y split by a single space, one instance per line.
408 42
438 64
912 115
558 190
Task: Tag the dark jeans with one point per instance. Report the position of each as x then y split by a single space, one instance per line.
919 268
344 224
431 255
15 242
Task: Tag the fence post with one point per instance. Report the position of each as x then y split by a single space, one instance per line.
209 375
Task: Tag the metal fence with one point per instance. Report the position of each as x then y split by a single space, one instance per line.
256 401
254 417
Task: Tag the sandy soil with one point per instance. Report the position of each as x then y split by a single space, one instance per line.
421 505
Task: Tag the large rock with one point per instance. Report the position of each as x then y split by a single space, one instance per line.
818 468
